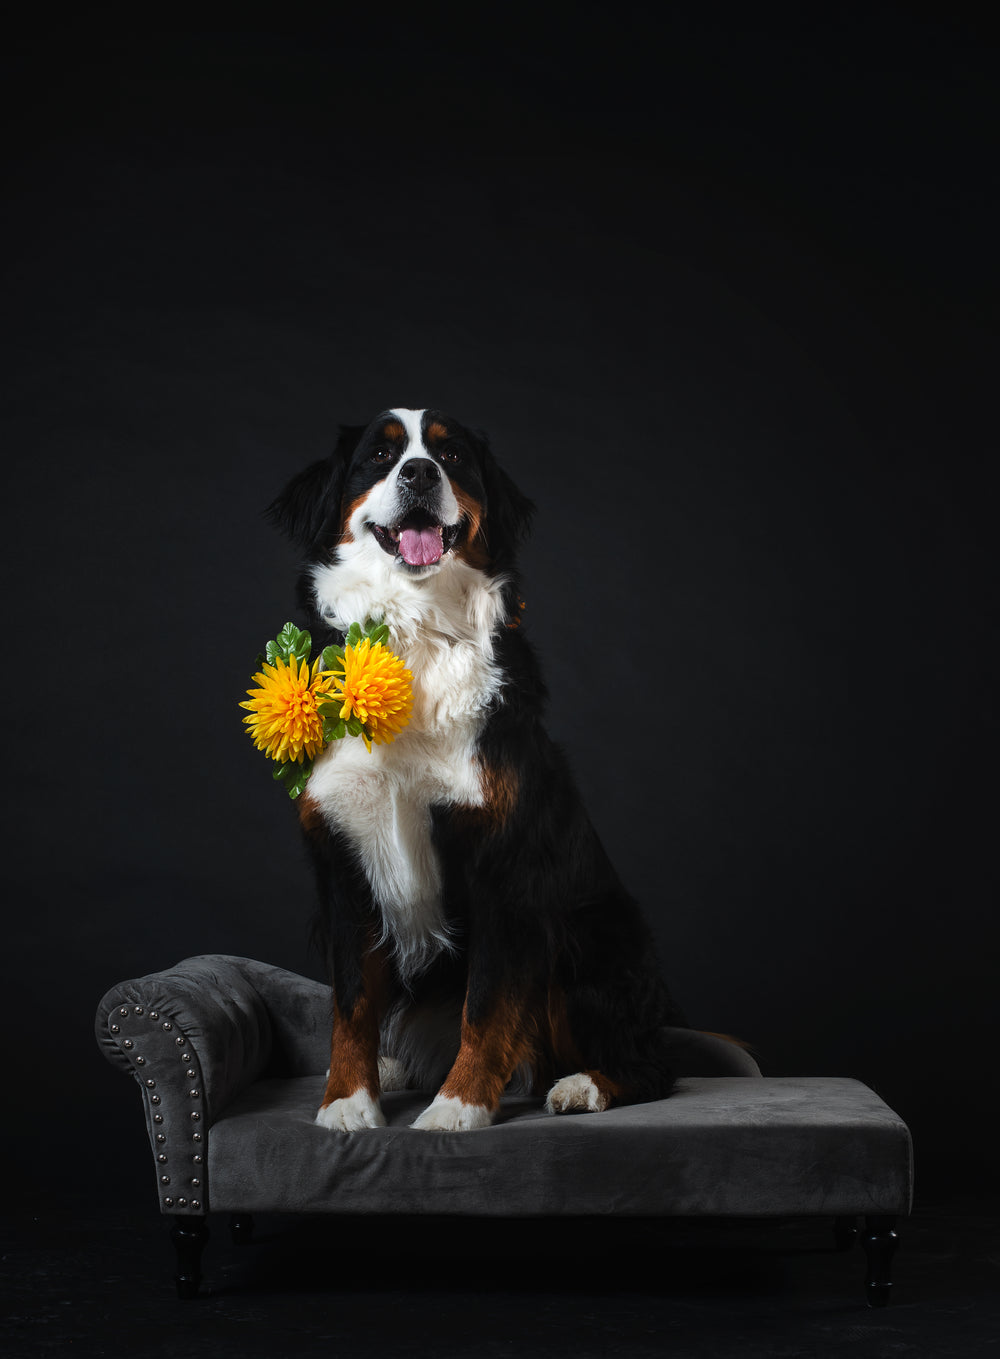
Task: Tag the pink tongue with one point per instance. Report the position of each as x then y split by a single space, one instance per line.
420 547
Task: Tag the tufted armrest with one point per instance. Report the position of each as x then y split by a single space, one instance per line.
193 1037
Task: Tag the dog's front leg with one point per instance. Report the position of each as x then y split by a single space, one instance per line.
495 1040
350 1101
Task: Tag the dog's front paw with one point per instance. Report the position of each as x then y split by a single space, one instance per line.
448 1114
576 1094
352 1114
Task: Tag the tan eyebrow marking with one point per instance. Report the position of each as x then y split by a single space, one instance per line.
436 431
394 430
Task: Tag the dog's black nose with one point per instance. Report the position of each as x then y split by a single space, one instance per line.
419 474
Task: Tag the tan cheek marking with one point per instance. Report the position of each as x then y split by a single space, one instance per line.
347 510
473 549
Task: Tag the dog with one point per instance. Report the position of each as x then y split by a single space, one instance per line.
477 936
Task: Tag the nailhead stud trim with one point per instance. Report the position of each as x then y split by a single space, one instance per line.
191 1072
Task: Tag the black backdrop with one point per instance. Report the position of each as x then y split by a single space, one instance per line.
720 294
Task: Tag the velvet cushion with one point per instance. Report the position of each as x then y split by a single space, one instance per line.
719 1146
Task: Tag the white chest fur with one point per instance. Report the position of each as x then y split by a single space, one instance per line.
441 628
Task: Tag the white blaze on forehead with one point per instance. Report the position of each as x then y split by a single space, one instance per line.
411 422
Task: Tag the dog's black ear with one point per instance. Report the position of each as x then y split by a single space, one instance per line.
308 510
509 512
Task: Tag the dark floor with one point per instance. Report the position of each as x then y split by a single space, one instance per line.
339 1287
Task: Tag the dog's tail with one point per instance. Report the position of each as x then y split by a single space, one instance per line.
728 1038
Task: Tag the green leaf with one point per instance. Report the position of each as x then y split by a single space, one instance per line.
353 634
332 658
354 725
334 730
380 634
297 788
293 777
293 641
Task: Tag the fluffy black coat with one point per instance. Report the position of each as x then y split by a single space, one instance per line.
552 958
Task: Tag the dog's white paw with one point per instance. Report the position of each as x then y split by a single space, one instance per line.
391 1074
448 1114
352 1114
576 1094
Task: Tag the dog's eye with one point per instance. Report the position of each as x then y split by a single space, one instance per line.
381 455
450 455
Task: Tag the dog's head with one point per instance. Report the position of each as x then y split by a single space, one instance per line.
413 492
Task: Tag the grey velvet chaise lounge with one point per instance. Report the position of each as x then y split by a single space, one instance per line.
230 1053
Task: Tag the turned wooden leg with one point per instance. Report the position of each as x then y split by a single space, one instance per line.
241 1228
880 1242
845 1232
189 1235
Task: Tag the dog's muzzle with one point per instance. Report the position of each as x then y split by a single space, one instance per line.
417 537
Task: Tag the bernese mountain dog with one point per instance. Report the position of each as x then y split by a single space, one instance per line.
475 930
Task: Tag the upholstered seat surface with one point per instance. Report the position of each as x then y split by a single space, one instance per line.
229 1054
725 1146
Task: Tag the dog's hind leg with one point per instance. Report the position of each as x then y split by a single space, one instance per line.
583 1092
608 1018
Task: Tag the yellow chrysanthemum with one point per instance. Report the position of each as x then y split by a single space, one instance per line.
283 720
374 687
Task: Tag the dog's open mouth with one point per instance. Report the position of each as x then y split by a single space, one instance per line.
418 540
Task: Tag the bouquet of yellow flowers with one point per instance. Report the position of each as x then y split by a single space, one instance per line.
358 689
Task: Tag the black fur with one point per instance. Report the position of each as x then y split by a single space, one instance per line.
534 901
